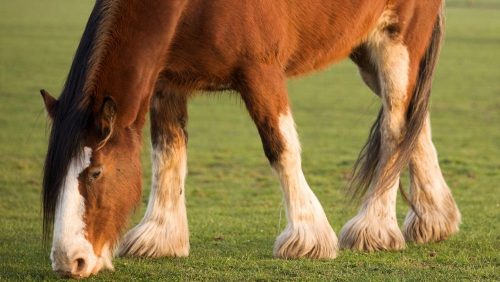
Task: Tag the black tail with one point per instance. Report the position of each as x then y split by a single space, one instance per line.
368 160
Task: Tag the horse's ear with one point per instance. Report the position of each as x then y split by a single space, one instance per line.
107 118
50 103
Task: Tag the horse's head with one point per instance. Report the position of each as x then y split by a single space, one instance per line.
92 181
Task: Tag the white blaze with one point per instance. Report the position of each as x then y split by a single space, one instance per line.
69 242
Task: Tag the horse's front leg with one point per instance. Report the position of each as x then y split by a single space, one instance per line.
164 229
308 233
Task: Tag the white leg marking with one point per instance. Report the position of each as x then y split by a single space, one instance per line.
439 216
164 229
375 227
308 233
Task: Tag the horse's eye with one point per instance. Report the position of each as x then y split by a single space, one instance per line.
94 173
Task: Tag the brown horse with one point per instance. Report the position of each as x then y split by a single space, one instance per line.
139 56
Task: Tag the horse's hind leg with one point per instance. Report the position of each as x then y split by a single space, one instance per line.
308 233
164 229
438 216
376 227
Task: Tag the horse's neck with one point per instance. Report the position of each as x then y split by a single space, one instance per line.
129 69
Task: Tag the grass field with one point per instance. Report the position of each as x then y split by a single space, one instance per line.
234 201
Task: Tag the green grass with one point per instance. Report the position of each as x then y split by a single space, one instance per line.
231 191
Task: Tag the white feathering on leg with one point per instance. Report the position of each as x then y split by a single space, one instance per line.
164 229
308 233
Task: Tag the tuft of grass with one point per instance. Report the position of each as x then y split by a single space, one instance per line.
234 201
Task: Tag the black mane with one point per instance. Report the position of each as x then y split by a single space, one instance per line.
72 115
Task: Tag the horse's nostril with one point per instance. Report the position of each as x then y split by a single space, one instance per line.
80 265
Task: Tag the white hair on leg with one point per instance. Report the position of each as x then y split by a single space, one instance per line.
308 233
164 229
438 216
375 227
